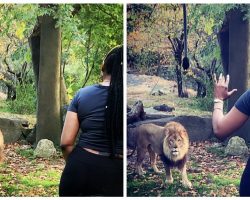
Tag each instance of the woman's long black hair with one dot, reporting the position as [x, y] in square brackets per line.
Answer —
[113, 65]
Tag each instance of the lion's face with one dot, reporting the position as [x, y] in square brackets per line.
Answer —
[176, 143]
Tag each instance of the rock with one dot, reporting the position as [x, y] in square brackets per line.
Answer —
[13, 129]
[198, 128]
[23, 142]
[136, 113]
[152, 111]
[158, 92]
[236, 147]
[164, 108]
[3, 96]
[45, 149]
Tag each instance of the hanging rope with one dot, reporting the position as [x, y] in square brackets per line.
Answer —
[185, 61]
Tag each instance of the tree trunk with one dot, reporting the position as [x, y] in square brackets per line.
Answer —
[64, 96]
[201, 89]
[239, 57]
[223, 39]
[179, 81]
[34, 42]
[48, 113]
[177, 48]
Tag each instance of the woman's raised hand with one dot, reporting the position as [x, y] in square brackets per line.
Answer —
[221, 87]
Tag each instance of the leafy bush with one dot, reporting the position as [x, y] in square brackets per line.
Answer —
[145, 59]
[206, 103]
[25, 102]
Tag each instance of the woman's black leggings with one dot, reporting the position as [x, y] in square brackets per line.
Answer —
[87, 174]
[245, 181]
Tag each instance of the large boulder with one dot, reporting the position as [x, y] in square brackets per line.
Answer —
[45, 149]
[14, 129]
[236, 147]
[198, 128]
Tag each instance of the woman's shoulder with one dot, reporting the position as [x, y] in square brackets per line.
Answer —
[91, 88]
[246, 95]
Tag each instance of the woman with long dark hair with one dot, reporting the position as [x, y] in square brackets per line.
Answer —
[94, 167]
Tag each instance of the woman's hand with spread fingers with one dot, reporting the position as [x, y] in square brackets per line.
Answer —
[221, 88]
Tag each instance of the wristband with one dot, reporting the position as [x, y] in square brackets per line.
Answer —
[218, 109]
[218, 101]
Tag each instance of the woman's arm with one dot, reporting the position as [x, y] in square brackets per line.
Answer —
[223, 125]
[69, 133]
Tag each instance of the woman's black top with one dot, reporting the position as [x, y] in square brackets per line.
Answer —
[243, 103]
[90, 103]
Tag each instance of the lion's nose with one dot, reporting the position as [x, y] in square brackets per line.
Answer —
[175, 148]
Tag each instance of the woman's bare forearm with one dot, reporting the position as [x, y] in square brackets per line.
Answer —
[217, 120]
[66, 150]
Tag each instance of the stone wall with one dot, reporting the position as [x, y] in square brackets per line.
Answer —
[198, 128]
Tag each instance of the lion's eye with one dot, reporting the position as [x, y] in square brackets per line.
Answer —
[179, 140]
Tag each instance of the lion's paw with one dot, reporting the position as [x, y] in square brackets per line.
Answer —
[187, 184]
[141, 173]
[159, 172]
[156, 170]
[169, 180]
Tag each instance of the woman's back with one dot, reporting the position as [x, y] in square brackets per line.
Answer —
[90, 103]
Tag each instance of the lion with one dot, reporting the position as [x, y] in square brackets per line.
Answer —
[170, 142]
[1, 146]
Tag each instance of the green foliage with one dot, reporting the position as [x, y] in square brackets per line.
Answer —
[25, 102]
[220, 152]
[87, 37]
[207, 103]
[27, 153]
[44, 181]
[144, 60]
[89, 31]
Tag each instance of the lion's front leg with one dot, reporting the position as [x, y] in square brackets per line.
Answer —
[153, 157]
[169, 178]
[140, 157]
[185, 180]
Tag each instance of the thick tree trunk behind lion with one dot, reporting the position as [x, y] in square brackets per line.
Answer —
[48, 112]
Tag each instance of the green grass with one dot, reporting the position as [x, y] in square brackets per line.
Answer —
[225, 181]
[25, 175]
[27, 153]
[218, 151]
[203, 185]
[4, 107]
[37, 178]
[39, 183]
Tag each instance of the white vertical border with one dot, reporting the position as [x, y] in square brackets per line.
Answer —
[124, 99]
